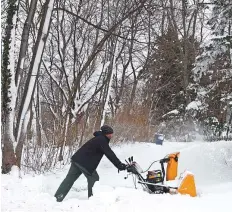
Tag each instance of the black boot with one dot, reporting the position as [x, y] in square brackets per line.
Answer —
[59, 198]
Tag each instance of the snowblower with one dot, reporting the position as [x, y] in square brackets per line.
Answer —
[154, 181]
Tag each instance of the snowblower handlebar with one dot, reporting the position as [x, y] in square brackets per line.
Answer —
[131, 169]
[131, 165]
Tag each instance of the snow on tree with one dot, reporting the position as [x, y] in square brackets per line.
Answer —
[213, 69]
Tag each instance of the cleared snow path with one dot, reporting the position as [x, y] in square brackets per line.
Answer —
[211, 164]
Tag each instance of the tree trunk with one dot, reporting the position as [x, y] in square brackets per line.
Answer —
[110, 71]
[22, 138]
[8, 156]
[35, 65]
[32, 75]
[8, 86]
[65, 132]
[185, 53]
[24, 41]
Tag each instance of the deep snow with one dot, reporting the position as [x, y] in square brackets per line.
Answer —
[211, 163]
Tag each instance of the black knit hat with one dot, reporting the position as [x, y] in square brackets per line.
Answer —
[106, 130]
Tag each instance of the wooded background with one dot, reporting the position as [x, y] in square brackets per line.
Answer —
[141, 66]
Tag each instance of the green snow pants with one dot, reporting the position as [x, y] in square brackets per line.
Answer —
[74, 172]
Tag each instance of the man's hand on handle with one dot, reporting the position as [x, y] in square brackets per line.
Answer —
[122, 167]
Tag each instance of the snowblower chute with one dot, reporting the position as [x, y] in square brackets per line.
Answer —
[154, 183]
[172, 166]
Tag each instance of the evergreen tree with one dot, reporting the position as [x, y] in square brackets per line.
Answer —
[213, 69]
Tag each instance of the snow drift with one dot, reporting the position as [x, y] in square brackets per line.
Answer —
[211, 163]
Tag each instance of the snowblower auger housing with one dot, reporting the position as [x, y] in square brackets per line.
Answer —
[154, 181]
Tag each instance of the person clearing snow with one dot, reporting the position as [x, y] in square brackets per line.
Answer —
[87, 159]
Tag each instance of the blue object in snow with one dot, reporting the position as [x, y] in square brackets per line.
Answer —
[159, 138]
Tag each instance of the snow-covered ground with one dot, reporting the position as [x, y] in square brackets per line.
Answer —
[211, 164]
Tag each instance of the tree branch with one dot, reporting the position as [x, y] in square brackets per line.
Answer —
[94, 25]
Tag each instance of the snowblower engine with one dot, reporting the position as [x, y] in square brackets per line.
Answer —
[154, 176]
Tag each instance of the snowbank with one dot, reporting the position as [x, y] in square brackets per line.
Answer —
[211, 163]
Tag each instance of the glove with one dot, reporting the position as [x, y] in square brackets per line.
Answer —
[129, 168]
[122, 167]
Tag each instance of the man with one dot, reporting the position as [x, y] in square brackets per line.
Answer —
[86, 160]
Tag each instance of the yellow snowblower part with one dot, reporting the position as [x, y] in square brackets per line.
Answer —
[172, 166]
[187, 185]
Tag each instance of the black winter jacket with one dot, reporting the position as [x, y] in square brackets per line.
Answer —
[91, 153]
